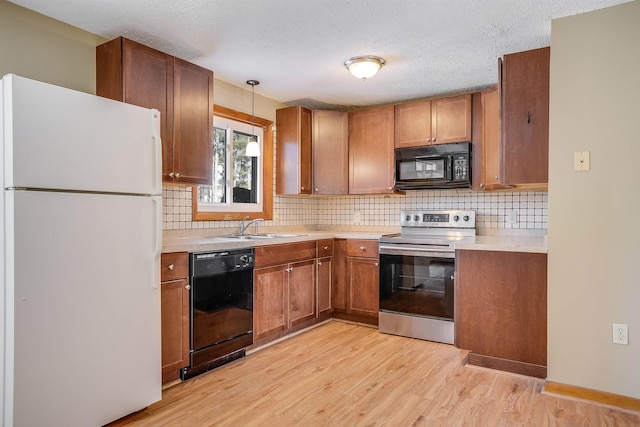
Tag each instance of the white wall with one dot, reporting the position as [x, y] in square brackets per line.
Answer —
[594, 232]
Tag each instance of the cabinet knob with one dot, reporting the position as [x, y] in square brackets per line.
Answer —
[325, 248]
[170, 174]
[428, 139]
[497, 177]
[302, 188]
[170, 266]
[481, 185]
[362, 248]
[319, 263]
[433, 139]
[178, 175]
[317, 190]
[376, 264]
[187, 287]
[390, 188]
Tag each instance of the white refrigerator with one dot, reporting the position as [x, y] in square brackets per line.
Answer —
[81, 240]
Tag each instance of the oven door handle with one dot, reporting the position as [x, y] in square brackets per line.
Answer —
[414, 250]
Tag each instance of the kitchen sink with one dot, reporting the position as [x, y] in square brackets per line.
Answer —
[262, 236]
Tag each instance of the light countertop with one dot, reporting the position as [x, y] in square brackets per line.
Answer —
[175, 242]
[207, 240]
[533, 244]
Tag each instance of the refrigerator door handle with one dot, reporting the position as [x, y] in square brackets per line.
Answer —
[157, 243]
[157, 151]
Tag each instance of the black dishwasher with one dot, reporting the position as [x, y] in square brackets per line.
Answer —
[221, 308]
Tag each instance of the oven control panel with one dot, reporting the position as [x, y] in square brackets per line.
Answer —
[449, 219]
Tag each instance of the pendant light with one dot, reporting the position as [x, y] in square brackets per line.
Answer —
[253, 149]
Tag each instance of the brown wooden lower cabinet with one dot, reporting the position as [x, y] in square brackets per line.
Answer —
[501, 309]
[284, 295]
[174, 295]
[356, 283]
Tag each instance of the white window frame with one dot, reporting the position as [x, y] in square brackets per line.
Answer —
[233, 125]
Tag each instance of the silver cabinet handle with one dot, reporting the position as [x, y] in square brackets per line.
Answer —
[428, 139]
[178, 175]
[302, 188]
[319, 263]
[433, 139]
[171, 174]
[376, 264]
[497, 177]
[326, 248]
[317, 190]
[187, 287]
[362, 248]
[170, 266]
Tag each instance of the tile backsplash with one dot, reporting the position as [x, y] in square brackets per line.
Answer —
[492, 209]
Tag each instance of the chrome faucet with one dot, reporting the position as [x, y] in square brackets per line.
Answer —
[244, 224]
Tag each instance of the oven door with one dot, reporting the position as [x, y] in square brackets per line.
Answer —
[417, 283]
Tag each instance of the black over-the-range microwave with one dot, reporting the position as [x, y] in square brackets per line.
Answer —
[433, 166]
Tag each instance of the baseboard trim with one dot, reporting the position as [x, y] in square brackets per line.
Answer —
[602, 397]
[513, 366]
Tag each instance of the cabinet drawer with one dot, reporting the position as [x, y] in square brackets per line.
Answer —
[324, 248]
[174, 266]
[282, 254]
[362, 248]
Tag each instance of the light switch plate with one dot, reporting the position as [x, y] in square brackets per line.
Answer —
[581, 161]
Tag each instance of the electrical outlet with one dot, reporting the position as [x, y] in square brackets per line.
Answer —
[512, 217]
[620, 334]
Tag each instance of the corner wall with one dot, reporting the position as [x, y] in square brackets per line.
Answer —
[42, 48]
[594, 232]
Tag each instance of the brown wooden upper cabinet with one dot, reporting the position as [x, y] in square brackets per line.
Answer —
[433, 121]
[371, 151]
[293, 151]
[183, 93]
[515, 123]
[330, 152]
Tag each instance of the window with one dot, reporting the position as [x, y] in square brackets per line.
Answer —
[241, 185]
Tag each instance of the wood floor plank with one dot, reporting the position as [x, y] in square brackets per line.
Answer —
[342, 374]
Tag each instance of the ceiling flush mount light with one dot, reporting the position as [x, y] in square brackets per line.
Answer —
[253, 149]
[364, 67]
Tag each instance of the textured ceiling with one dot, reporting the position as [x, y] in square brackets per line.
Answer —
[296, 48]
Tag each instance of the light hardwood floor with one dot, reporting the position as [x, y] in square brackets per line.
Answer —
[342, 374]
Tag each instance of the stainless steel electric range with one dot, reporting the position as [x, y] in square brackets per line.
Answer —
[417, 274]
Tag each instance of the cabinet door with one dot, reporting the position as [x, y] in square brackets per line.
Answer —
[324, 280]
[175, 327]
[364, 286]
[269, 301]
[451, 119]
[371, 151]
[340, 282]
[193, 123]
[525, 116]
[503, 294]
[330, 152]
[412, 124]
[491, 149]
[293, 151]
[302, 292]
